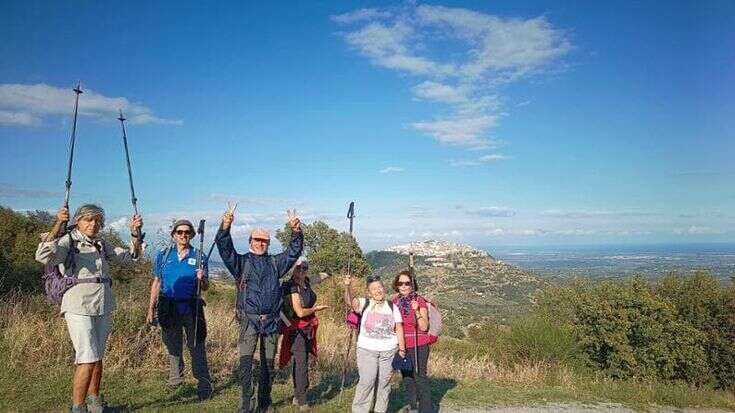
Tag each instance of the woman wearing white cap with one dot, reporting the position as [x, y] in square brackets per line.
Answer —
[299, 333]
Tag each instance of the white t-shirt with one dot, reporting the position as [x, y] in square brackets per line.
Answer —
[377, 326]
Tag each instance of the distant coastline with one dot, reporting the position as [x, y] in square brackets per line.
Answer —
[604, 261]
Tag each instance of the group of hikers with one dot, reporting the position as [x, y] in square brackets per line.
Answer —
[392, 329]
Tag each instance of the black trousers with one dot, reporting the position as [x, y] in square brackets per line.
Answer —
[417, 386]
[300, 351]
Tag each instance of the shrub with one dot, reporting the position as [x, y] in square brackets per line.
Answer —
[628, 330]
[538, 339]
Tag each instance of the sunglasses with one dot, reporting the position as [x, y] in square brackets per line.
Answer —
[403, 283]
[372, 278]
[182, 232]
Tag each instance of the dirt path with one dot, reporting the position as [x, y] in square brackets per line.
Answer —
[574, 408]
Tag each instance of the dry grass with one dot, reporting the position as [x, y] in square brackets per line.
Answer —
[33, 338]
[36, 335]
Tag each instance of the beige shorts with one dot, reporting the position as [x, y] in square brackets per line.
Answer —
[88, 335]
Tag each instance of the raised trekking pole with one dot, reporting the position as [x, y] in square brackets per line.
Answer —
[78, 91]
[351, 217]
[134, 200]
[412, 271]
[200, 261]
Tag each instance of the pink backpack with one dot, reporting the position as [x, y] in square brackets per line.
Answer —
[435, 322]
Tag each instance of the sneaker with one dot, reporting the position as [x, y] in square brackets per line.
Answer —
[79, 409]
[95, 404]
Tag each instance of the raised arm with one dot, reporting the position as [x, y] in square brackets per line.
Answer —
[227, 251]
[120, 254]
[352, 303]
[52, 249]
[53, 252]
[287, 258]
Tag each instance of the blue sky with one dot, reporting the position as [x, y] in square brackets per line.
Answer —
[490, 123]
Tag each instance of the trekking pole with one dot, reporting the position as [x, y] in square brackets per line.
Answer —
[78, 91]
[200, 255]
[134, 200]
[412, 271]
[350, 216]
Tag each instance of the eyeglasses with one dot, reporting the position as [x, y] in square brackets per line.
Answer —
[403, 283]
[182, 232]
[265, 240]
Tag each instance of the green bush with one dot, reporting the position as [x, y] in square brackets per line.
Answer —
[629, 330]
[538, 339]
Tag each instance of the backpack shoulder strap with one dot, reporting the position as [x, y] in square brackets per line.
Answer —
[244, 275]
[164, 257]
[70, 261]
[275, 267]
[364, 307]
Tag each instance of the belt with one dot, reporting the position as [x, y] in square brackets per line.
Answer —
[94, 280]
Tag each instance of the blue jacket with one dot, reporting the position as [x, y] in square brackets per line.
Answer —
[262, 295]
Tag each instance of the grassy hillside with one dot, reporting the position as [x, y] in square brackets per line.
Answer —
[468, 289]
[488, 368]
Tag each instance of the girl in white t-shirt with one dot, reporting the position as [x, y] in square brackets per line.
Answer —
[381, 333]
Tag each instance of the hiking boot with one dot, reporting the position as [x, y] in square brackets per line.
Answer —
[95, 404]
[79, 409]
[204, 395]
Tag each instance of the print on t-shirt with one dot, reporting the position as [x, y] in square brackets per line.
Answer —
[379, 325]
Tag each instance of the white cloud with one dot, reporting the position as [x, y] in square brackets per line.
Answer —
[119, 225]
[584, 214]
[485, 159]
[26, 105]
[492, 51]
[466, 131]
[387, 46]
[698, 230]
[391, 169]
[17, 118]
[515, 46]
[440, 92]
[493, 211]
[361, 15]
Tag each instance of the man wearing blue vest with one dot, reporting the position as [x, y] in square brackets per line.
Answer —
[259, 301]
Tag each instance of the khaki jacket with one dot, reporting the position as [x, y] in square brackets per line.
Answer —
[91, 260]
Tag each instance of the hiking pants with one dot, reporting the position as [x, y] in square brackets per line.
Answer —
[300, 352]
[418, 383]
[173, 339]
[372, 365]
[249, 338]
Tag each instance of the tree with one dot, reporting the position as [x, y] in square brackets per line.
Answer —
[329, 250]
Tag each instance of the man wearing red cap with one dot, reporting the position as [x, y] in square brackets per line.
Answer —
[259, 301]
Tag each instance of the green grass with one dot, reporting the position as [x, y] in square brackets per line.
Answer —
[48, 391]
